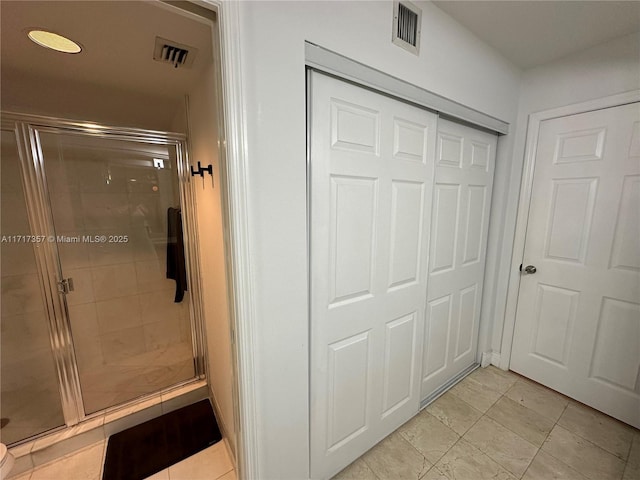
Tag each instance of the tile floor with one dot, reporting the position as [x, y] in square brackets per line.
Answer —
[498, 425]
[492, 425]
[210, 464]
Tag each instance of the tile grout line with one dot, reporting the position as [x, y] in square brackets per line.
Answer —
[443, 455]
[502, 395]
[573, 433]
[531, 462]
[588, 440]
[424, 459]
[504, 426]
[581, 437]
[104, 457]
[365, 462]
[65, 456]
[471, 406]
[485, 415]
[518, 380]
[460, 437]
[222, 475]
[544, 441]
[539, 448]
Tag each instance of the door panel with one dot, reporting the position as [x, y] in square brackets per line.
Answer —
[461, 201]
[371, 172]
[348, 362]
[30, 399]
[476, 213]
[578, 318]
[110, 205]
[399, 352]
[407, 200]
[626, 254]
[437, 333]
[445, 222]
[468, 312]
[353, 215]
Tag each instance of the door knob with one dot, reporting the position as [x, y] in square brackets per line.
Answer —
[530, 269]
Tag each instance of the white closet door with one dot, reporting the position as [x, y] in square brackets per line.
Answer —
[465, 160]
[578, 319]
[370, 178]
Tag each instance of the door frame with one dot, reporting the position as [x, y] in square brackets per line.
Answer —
[27, 128]
[327, 62]
[234, 175]
[524, 204]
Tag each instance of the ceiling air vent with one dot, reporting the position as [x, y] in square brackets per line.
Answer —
[406, 26]
[174, 53]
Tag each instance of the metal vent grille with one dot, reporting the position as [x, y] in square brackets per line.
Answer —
[406, 26]
[173, 53]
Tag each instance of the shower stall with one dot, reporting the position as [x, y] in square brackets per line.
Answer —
[100, 296]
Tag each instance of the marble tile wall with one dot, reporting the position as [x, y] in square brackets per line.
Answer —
[128, 332]
[30, 399]
[123, 305]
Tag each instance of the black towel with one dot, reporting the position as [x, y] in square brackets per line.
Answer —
[176, 268]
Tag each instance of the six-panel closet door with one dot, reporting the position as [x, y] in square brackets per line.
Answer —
[388, 239]
[464, 165]
[371, 174]
[577, 326]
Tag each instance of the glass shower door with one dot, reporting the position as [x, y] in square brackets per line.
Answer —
[112, 203]
[30, 401]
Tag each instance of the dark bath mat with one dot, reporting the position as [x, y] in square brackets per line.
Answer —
[150, 447]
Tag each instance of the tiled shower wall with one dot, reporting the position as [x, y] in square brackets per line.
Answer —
[130, 337]
[122, 309]
[30, 399]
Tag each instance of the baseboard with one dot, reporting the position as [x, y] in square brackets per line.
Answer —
[232, 456]
[491, 358]
[496, 359]
[486, 359]
[223, 427]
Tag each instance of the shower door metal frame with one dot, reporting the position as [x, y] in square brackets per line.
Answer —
[27, 129]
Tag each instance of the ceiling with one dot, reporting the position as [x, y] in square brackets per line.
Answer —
[532, 33]
[117, 37]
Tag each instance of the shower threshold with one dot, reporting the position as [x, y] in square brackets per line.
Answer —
[58, 443]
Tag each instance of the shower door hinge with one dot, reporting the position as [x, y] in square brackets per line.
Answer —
[65, 285]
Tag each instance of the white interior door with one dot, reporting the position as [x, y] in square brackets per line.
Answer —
[578, 318]
[465, 160]
[371, 173]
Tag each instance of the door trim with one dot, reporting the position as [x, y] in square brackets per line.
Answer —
[522, 219]
[337, 65]
[235, 180]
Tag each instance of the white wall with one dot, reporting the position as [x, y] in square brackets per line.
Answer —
[607, 69]
[452, 63]
[22, 92]
[203, 142]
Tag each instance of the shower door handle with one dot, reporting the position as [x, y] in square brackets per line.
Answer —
[65, 285]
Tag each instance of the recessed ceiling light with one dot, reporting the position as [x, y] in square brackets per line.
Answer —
[54, 41]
